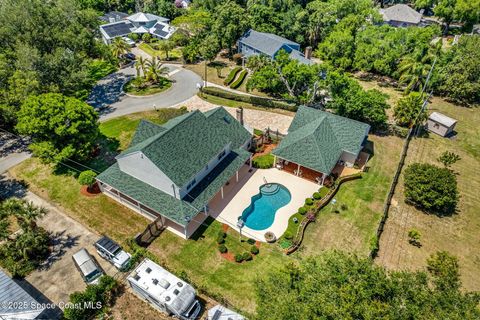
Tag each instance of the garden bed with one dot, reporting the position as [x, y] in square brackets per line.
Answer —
[140, 87]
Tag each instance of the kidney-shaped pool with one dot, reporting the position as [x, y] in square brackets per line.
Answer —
[260, 214]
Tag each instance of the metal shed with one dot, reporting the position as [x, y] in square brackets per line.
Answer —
[440, 124]
[16, 303]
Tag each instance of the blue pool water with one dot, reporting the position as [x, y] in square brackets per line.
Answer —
[260, 214]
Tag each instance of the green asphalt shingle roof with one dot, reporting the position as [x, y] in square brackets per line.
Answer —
[316, 139]
[189, 142]
[179, 211]
[175, 144]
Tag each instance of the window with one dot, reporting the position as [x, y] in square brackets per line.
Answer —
[221, 155]
[190, 185]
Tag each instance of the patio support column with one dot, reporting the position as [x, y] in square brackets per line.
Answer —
[274, 161]
[205, 210]
[221, 191]
[236, 173]
[323, 179]
[298, 170]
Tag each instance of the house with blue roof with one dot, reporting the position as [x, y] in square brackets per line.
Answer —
[171, 172]
[269, 44]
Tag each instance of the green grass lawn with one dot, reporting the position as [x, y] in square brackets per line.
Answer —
[199, 257]
[174, 54]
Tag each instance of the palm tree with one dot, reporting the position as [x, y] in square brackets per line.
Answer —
[140, 65]
[119, 47]
[26, 212]
[167, 46]
[32, 244]
[155, 70]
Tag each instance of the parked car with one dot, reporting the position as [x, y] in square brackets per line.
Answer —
[112, 252]
[88, 267]
[129, 41]
[130, 56]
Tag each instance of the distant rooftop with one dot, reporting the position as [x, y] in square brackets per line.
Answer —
[402, 13]
[145, 17]
[113, 16]
[267, 43]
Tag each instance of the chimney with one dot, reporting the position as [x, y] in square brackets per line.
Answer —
[308, 52]
[240, 115]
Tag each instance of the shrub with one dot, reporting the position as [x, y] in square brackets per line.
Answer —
[237, 83]
[431, 188]
[344, 207]
[221, 234]
[259, 101]
[263, 162]
[239, 257]
[317, 196]
[133, 36]
[147, 37]
[302, 210]
[270, 237]
[222, 248]
[87, 178]
[247, 256]
[288, 235]
[220, 239]
[251, 241]
[254, 250]
[231, 76]
[308, 201]
[414, 237]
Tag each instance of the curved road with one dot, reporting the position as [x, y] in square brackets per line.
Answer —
[109, 99]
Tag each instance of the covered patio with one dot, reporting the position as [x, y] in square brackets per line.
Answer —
[300, 171]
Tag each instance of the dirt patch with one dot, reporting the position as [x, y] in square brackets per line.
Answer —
[228, 256]
[267, 149]
[225, 227]
[95, 190]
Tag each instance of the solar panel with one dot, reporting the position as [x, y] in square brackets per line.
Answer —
[117, 29]
[160, 33]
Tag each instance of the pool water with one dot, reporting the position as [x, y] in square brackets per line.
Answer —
[260, 214]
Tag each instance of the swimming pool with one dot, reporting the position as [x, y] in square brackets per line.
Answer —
[260, 214]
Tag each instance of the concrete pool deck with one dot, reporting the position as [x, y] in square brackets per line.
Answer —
[239, 196]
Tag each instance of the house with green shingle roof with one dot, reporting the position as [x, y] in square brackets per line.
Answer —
[171, 172]
[319, 140]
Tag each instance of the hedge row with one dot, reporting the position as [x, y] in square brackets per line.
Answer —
[231, 75]
[237, 83]
[258, 101]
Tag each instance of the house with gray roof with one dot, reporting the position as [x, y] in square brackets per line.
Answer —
[121, 25]
[269, 44]
[401, 15]
[15, 302]
[171, 172]
[319, 140]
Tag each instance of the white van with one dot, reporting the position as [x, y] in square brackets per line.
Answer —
[89, 269]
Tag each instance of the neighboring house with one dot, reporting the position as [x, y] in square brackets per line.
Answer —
[164, 291]
[139, 23]
[401, 15]
[182, 3]
[319, 140]
[15, 302]
[440, 124]
[255, 43]
[219, 312]
[171, 172]
[113, 16]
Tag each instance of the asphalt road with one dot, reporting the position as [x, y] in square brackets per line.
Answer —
[12, 151]
[109, 99]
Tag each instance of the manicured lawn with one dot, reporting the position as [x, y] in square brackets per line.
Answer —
[174, 54]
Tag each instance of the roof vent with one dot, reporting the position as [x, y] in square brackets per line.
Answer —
[180, 284]
[164, 283]
[148, 270]
[176, 292]
[167, 298]
[227, 119]
[136, 277]
[155, 281]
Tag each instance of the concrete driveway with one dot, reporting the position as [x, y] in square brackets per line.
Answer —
[13, 150]
[59, 277]
[110, 100]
